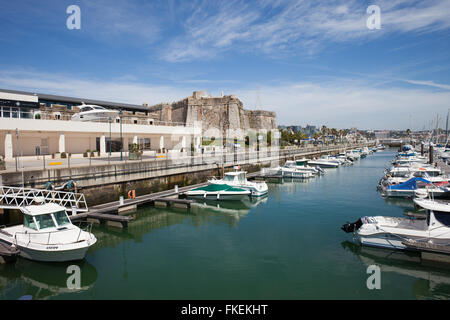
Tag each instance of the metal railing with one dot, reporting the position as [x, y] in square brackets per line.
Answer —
[17, 197]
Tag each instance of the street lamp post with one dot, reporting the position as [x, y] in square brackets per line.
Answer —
[110, 120]
[121, 142]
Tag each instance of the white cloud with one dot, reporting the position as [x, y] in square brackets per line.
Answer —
[116, 91]
[338, 103]
[345, 104]
[285, 26]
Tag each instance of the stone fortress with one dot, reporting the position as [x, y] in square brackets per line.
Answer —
[214, 113]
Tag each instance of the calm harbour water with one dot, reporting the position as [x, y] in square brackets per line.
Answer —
[286, 246]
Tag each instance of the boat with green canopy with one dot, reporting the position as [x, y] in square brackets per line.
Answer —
[218, 192]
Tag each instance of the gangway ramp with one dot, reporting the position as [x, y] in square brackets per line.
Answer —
[17, 197]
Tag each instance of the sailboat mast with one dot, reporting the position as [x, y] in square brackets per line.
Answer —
[446, 129]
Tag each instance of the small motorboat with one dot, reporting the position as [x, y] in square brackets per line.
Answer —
[405, 189]
[324, 163]
[436, 191]
[287, 172]
[239, 179]
[91, 112]
[393, 232]
[219, 192]
[47, 234]
[302, 165]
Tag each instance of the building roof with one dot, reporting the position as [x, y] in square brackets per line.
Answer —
[73, 100]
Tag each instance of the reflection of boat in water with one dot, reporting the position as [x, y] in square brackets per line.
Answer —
[432, 278]
[400, 202]
[236, 209]
[43, 280]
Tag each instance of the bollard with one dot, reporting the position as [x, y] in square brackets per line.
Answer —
[121, 200]
[431, 155]
[176, 188]
[74, 210]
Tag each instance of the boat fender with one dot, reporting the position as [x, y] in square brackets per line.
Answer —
[132, 194]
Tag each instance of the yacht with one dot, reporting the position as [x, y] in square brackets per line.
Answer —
[239, 179]
[91, 112]
[393, 232]
[47, 234]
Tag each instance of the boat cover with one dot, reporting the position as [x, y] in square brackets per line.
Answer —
[411, 184]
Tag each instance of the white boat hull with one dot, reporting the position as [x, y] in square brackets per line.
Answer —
[383, 240]
[53, 256]
[323, 164]
[217, 196]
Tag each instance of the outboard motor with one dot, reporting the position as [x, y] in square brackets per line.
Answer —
[351, 227]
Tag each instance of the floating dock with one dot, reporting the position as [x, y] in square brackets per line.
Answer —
[7, 252]
[430, 251]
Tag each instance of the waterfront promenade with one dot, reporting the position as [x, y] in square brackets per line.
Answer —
[89, 172]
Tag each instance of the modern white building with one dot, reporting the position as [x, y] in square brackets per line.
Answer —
[34, 124]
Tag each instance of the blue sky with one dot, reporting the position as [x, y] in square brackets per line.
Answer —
[313, 62]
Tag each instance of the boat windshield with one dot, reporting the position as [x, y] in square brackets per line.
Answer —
[61, 218]
[85, 109]
[228, 178]
[44, 221]
[29, 222]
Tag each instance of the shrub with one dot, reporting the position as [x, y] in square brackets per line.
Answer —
[63, 155]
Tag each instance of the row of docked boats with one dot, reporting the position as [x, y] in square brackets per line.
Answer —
[309, 168]
[235, 185]
[411, 176]
[428, 187]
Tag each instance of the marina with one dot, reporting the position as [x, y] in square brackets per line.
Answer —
[225, 155]
[194, 236]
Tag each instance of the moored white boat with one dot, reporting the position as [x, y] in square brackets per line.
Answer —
[239, 179]
[219, 192]
[392, 232]
[47, 234]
